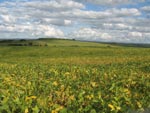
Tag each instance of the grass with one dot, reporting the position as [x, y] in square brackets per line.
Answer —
[74, 77]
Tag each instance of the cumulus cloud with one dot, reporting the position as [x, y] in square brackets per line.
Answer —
[135, 34]
[146, 8]
[8, 18]
[105, 14]
[75, 19]
[58, 5]
[34, 30]
[91, 34]
[111, 2]
[118, 26]
[50, 31]
[125, 12]
[63, 22]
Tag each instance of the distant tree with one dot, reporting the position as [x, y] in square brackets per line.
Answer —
[30, 43]
[22, 40]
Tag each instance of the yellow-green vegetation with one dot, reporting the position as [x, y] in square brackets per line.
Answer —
[74, 77]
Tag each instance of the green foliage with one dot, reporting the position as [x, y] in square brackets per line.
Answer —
[86, 78]
[22, 42]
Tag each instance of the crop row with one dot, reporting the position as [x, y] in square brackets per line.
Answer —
[43, 88]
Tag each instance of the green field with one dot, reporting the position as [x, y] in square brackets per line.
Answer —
[68, 76]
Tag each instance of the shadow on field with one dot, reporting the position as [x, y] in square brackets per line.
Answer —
[131, 45]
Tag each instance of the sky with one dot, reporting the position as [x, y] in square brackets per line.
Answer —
[126, 21]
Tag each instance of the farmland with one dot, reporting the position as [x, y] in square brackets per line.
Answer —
[68, 76]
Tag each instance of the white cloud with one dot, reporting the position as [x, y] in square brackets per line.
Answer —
[146, 8]
[58, 22]
[36, 30]
[8, 18]
[111, 2]
[49, 31]
[135, 34]
[91, 34]
[58, 5]
[58, 18]
[125, 12]
[117, 26]
[67, 22]
[105, 14]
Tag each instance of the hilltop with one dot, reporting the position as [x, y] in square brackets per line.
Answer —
[65, 42]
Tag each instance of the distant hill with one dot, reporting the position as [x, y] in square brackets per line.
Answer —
[129, 44]
[65, 42]
[22, 42]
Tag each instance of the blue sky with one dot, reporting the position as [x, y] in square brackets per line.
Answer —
[92, 20]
